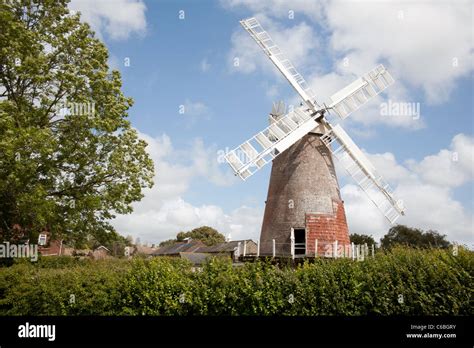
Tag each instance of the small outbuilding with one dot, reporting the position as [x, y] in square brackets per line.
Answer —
[174, 250]
[234, 249]
[100, 253]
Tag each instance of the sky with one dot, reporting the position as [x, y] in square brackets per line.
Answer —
[201, 87]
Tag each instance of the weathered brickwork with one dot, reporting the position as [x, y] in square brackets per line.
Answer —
[303, 193]
[326, 228]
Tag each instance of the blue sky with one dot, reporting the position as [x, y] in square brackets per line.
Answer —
[188, 62]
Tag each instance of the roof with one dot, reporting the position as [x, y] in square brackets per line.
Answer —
[101, 247]
[177, 248]
[141, 249]
[195, 258]
[224, 247]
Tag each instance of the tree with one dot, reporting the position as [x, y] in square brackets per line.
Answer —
[205, 234]
[414, 237]
[69, 158]
[167, 242]
[435, 239]
[129, 239]
[362, 239]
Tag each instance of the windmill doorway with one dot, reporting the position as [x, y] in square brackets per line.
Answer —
[300, 241]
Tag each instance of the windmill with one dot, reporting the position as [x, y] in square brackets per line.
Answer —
[303, 202]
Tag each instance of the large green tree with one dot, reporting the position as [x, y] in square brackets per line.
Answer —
[69, 158]
[414, 237]
[205, 234]
[361, 239]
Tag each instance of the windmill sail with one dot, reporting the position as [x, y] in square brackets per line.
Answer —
[363, 172]
[262, 148]
[263, 39]
[359, 92]
[284, 131]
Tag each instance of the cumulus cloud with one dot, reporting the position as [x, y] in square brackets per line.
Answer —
[163, 211]
[427, 194]
[117, 18]
[429, 45]
[299, 43]
[426, 188]
[426, 45]
[450, 167]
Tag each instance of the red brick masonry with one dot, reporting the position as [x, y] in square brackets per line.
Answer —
[326, 228]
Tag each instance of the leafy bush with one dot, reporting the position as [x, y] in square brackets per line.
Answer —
[157, 287]
[397, 282]
[86, 288]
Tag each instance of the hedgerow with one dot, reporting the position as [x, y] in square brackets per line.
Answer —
[400, 282]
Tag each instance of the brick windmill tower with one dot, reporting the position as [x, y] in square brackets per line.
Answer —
[304, 203]
[303, 198]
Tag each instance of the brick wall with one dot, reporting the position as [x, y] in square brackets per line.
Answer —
[54, 248]
[327, 228]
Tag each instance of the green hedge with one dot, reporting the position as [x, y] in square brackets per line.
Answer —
[403, 282]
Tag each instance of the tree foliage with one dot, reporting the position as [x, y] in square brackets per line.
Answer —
[361, 239]
[69, 158]
[414, 237]
[205, 234]
[168, 242]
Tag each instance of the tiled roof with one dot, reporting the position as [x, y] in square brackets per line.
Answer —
[224, 247]
[141, 249]
[177, 248]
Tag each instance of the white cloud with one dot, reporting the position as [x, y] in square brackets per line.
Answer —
[429, 201]
[205, 164]
[453, 167]
[163, 212]
[418, 39]
[425, 45]
[299, 43]
[426, 188]
[118, 18]
[325, 85]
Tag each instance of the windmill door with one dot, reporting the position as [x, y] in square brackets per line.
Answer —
[300, 241]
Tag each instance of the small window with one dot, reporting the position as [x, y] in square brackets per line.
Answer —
[42, 239]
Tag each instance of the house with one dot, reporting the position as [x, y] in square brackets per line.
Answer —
[197, 252]
[48, 246]
[174, 250]
[142, 250]
[234, 249]
[100, 253]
